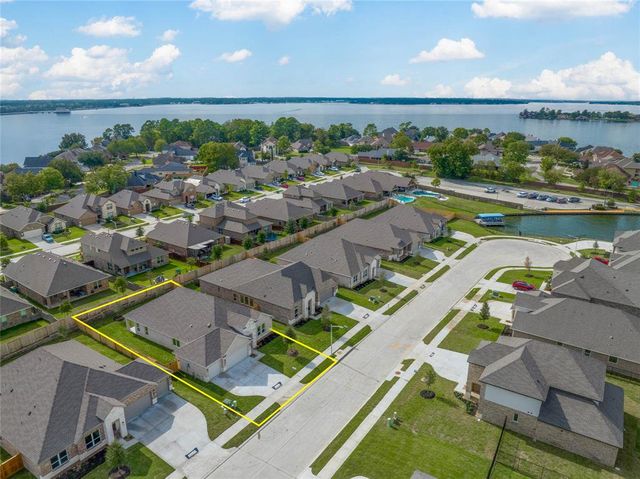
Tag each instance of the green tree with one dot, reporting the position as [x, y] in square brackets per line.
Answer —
[558, 153]
[283, 144]
[69, 169]
[159, 144]
[50, 179]
[8, 167]
[258, 133]
[303, 223]
[632, 196]
[547, 163]
[191, 262]
[4, 243]
[435, 182]
[370, 130]
[4, 261]
[512, 136]
[92, 159]
[461, 133]
[291, 333]
[120, 284]
[636, 157]
[333, 211]
[19, 186]
[261, 237]
[122, 131]
[247, 243]
[218, 156]
[611, 180]
[216, 252]
[402, 141]
[116, 457]
[485, 312]
[72, 140]
[452, 158]
[516, 151]
[65, 307]
[112, 178]
[290, 227]
[139, 231]
[552, 176]
[325, 318]
[567, 142]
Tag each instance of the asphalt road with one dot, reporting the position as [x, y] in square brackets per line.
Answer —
[293, 439]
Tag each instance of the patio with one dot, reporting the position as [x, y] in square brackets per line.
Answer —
[250, 378]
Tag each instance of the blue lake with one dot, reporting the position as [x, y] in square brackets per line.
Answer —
[597, 227]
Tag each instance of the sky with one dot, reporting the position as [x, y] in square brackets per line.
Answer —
[548, 49]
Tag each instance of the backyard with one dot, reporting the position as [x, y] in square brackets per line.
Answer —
[20, 329]
[446, 245]
[71, 233]
[535, 277]
[463, 208]
[413, 266]
[372, 295]
[16, 245]
[143, 464]
[310, 333]
[168, 271]
[466, 336]
[470, 227]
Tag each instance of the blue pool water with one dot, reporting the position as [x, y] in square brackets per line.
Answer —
[404, 199]
[430, 194]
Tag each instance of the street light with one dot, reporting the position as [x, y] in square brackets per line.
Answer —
[331, 326]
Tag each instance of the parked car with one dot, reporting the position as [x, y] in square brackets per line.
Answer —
[300, 178]
[190, 206]
[533, 195]
[574, 199]
[244, 199]
[284, 185]
[543, 197]
[358, 169]
[551, 199]
[47, 237]
[490, 189]
[216, 198]
[562, 200]
[334, 168]
[523, 194]
[522, 286]
[601, 259]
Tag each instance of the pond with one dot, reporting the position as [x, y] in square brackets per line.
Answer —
[584, 226]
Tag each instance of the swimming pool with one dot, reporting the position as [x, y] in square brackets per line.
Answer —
[404, 199]
[430, 194]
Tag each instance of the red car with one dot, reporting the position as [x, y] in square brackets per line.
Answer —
[601, 259]
[285, 185]
[522, 286]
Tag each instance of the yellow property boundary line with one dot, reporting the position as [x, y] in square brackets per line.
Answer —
[154, 364]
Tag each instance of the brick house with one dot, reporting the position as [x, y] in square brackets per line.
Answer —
[15, 310]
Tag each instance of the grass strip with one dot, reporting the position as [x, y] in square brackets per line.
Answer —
[326, 455]
[442, 271]
[467, 251]
[249, 429]
[472, 293]
[356, 338]
[401, 303]
[443, 322]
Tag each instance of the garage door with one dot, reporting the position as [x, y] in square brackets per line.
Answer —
[163, 387]
[238, 355]
[135, 409]
[32, 234]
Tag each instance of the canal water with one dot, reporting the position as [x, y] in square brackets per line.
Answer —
[597, 227]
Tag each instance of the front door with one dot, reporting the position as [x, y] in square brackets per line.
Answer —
[115, 427]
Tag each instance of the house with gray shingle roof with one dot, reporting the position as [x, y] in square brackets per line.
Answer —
[172, 192]
[185, 239]
[429, 226]
[208, 335]
[290, 293]
[626, 251]
[308, 198]
[549, 393]
[376, 184]
[279, 211]
[50, 279]
[338, 193]
[229, 180]
[23, 222]
[62, 404]
[86, 209]
[117, 254]
[233, 220]
[129, 203]
[15, 310]
[258, 174]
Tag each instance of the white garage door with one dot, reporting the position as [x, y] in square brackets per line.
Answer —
[35, 234]
[238, 355]
[135, 409]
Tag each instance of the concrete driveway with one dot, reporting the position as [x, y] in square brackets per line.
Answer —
[348, 309]
[398, 278]
[250, 378]
[432, 254]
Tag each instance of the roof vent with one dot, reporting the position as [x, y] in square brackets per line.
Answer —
[208, 325]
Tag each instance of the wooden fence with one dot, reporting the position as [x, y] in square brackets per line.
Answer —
[11, 466]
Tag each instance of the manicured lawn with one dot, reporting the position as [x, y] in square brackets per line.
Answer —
[333, 447]
[470, 227]
[272, 255]
[217, 420]
[143, 464]
[71, 233]
[236, 195]
[472, 293]
[16, 245]
[467, 251]
[463, 208]
[245, 433]
[413, 266]
[591, 252]
[466, 336]
[311, 334]
[88, 302]
[169, 270]
[20, 329]
[435, 436]
[439, 273]
[316, 371]
[268, 188]
[445, 244]
[123, 221]
[535, 278]
[356, 338]
[440, 326]
[231, 249]
[166, 211]
[89, 342]
[499, 296]
[381, 291]
[203, 203]
[401, 303]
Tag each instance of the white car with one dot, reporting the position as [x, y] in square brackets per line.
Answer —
[523, 194]
[244, 199]
[490, 189]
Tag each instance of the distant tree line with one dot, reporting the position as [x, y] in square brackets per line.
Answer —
[584, 115]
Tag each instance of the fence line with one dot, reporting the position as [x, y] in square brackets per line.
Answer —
[11, 466]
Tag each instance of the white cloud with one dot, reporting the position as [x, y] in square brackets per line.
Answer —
[554, 9]
[16, 64]
[284, 60]
[104, 72]
[112, 27]
[6, 26]
[484, 87]
[237, 56]
[169, 35]
[440, 91]
[447, 49]
[271, 12]
[394, 80]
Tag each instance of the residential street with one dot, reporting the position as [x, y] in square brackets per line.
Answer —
[291, 441]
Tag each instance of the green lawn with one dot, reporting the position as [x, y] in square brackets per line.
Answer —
[413, 266]
[470, 227]
[382, 291]
[439, 273]
[356, 338]
[217, 420]
[169, 270]
[272, 255]
[472, 293]
[499, 296]
[311, 334]
[466, 336]
[236, 195]
[123, 221]
[20, 329]
[315, 372]
[89, 342]
[231, 249]
[445, 244]
[435, 436]
[440, 326]
[16, 245]
[87, 302]
[401, 303]
[249, 429]
[333, 447]
[202, 203]
[463, 208]
[71, 233]
[143, 464]
[591, 252]
[467, 251]
[166, 211]
[535, 278]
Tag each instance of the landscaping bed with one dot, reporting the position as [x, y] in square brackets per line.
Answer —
[466, 336]
[142, 462]
[383, 290]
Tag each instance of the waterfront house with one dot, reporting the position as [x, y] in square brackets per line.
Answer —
[429, 226]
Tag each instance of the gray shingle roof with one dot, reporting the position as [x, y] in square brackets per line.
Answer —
[80, 204]
[20, 216]
[11, 302]
[278, 209]
[227, 177]
[210, 347]
[48, 274]
[411, 219]
[119, 249]
[125, 199]
[183, 234]
[337, 189]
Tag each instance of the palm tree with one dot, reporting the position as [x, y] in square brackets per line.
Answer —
[117, 458]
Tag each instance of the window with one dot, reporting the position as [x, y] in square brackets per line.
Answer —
[587, 352]
[23, 313]
[59, 459]
[515, 417]
[175, 342]
[296, 312]
[146, 330]
[613, 359]
[92, 439]
[3, 319]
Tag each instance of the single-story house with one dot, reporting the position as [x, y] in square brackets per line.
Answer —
[185, 239]
[338, 193]
[64, 403]
[50, 279]
[626, 251]
[376, 184]
[337, 158]
[308, 198]
[130, 203]
[117, 254]
[232, 220]
[283, 169]
[208, 335]
[378, 155]
[86, 209]
[306, 164]
[142, 180]
[290, 293]
[279, 211]
[27, 223]
[258, 174]
[15, 310]
[550, 394]
[172, 169]
[429, 226]
[303, 145]
[229, 180]
[171, 192]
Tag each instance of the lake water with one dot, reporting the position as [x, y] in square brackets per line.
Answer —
[34, 134]
[597, 227]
